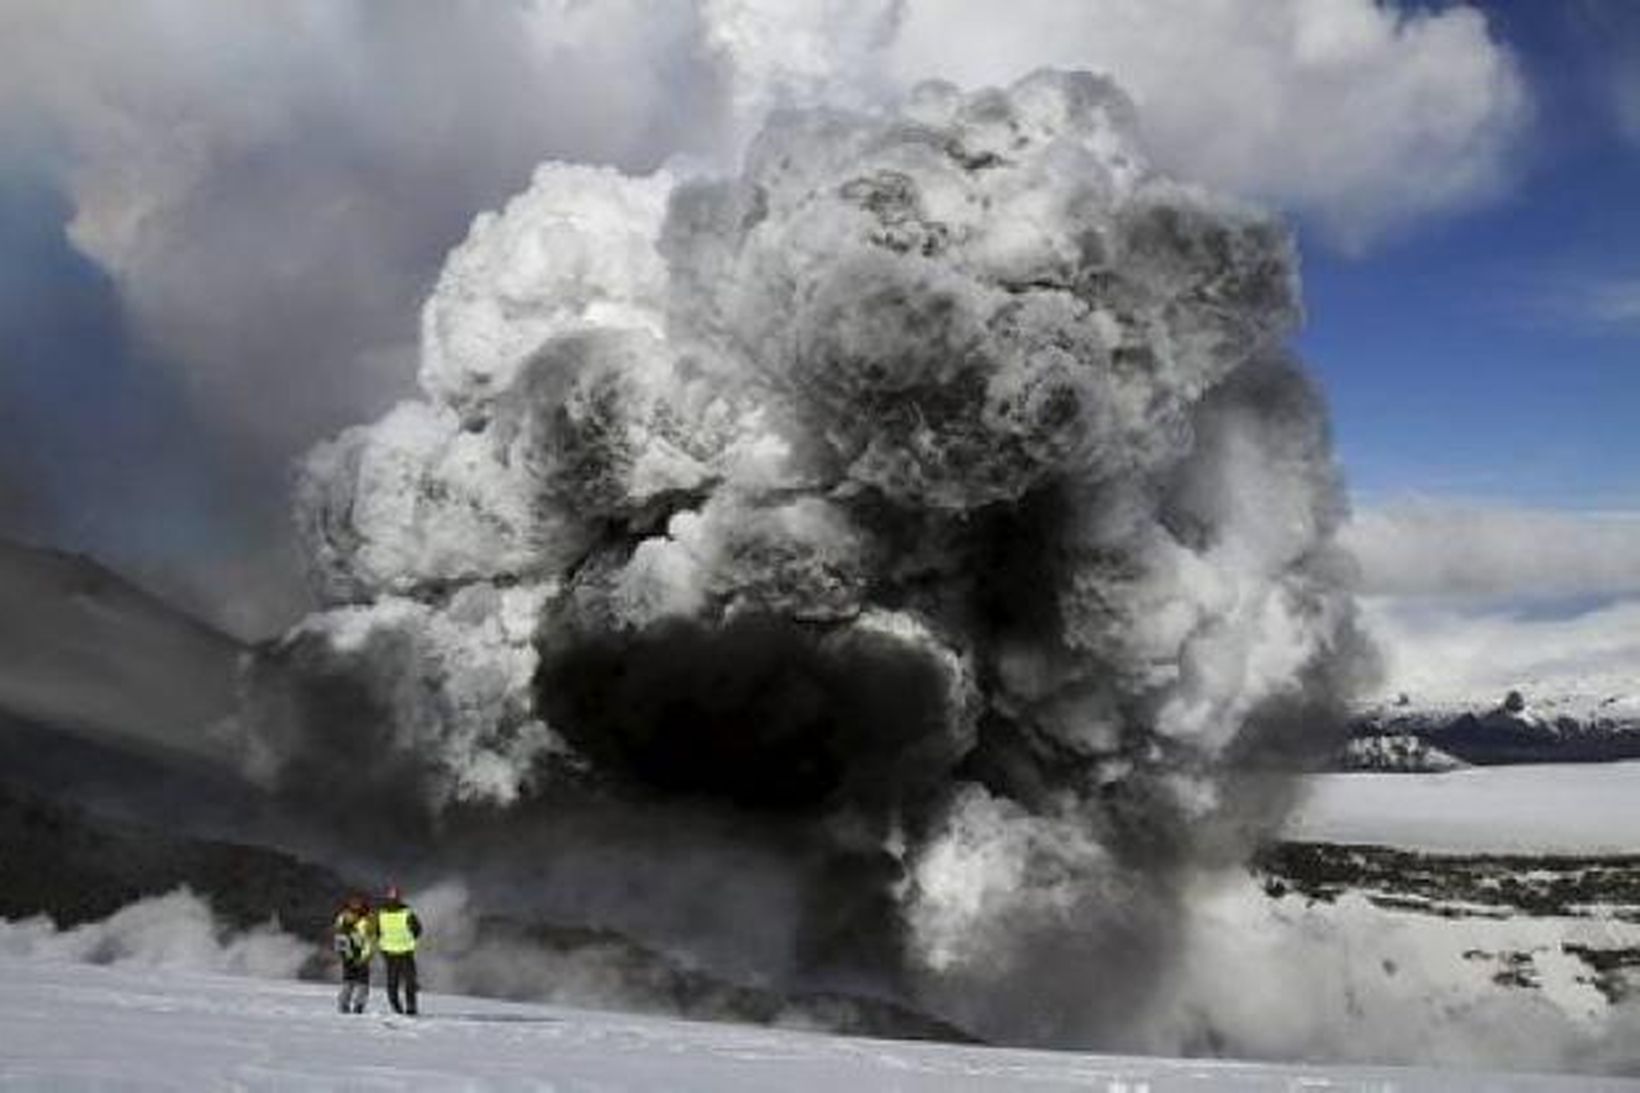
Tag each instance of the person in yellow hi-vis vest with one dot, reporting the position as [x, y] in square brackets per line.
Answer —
[397, 929]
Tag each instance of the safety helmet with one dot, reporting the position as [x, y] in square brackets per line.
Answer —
[393, 892]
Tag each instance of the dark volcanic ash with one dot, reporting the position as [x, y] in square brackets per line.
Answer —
[928, 523]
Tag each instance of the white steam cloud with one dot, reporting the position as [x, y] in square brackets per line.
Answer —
[1292, 978]
[1477, 552]
[463, 952]
[1286, 978]
[177, 931]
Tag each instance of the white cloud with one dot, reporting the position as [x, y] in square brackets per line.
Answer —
[273, 185]
[239, 163]
[1578, 302]
[1359, 113]
[1468, 601]
[1586, 664]
[1458, 550]
[1614, 303]
[1365, 115]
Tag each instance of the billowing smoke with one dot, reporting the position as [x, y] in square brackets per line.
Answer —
[900, 566]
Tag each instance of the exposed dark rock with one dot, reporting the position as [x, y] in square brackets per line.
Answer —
[1402, 753]
[1616, 972]
[62, 862]
[1437, 883]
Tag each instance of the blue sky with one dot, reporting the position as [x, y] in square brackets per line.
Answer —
[79, 420]
[1471, 356]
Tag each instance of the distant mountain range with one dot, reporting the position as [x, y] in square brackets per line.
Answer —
[1575, 724]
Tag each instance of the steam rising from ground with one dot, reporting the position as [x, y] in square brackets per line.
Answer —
[177, 930]
[931, 509]
[1348, 981]
[1282, 979]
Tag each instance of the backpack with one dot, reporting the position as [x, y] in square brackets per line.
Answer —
[346, 941]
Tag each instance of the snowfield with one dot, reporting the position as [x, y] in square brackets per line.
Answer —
[1568, 808]
[70, 1026]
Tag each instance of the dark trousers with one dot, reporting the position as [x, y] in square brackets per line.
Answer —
[401, 969]
[355, 987]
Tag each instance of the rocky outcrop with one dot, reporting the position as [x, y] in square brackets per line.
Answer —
[1398, 753]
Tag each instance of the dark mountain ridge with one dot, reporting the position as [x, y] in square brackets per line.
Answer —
[84, 650]
[1513, 730]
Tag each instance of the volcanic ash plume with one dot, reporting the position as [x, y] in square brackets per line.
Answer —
[938, 488]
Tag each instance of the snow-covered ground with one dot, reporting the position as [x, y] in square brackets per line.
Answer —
[1571, 808]
[71, 1026]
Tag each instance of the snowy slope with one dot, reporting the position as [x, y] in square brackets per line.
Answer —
[83, 649]
[80, 1027]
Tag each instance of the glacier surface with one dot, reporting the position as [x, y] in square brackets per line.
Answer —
[65, 1026]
